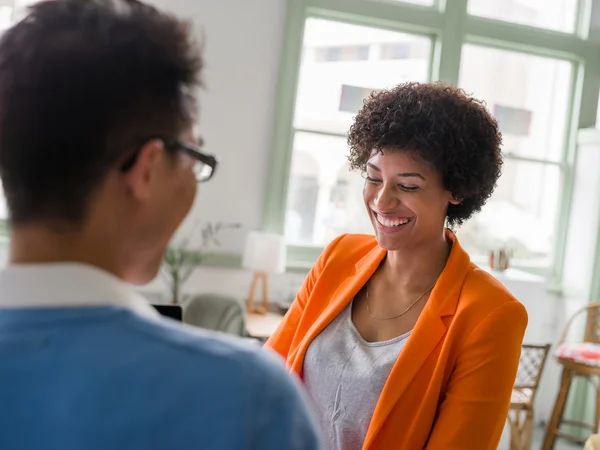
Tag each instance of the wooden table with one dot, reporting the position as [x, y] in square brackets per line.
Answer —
[262, 326]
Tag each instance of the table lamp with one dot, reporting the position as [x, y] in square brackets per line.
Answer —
[264, 253]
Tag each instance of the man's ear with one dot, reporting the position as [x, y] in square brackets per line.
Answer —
[140, 177]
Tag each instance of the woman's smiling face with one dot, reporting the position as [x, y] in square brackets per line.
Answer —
[405, 199]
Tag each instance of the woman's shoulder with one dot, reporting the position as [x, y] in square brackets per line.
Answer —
[481, 279]
[486, 311]
[485, 294]
[350, 247]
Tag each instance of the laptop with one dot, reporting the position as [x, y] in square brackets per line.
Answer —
[173, 311]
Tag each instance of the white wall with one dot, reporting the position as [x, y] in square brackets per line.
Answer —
[242, 48]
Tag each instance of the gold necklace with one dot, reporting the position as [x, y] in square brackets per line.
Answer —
[403, 312]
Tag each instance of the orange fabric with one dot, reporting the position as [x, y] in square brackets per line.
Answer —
[451, 386]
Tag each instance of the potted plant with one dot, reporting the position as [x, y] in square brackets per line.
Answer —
[180, 260]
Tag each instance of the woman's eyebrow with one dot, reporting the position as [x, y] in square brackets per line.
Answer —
[402, 174]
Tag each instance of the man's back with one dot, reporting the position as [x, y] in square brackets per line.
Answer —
[100, 162]
[106, 377]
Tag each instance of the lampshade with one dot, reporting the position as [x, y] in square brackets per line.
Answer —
[264, 252]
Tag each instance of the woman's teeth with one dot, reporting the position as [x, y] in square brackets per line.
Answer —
[389, 222]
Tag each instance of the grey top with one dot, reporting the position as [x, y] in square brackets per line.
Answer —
[344, 376]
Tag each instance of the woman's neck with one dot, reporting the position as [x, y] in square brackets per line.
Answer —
[415, 269]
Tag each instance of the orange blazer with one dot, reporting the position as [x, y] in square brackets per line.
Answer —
[451, 385]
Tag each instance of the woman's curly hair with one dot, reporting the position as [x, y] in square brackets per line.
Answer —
[441, 125]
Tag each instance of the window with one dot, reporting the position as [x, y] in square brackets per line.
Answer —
[13, 10]
[395, 51]
[520, 216]
[324, 198]
[342, 53]
[418, 2]
[9, 14]
[352, 97]
[3, 207]
[6, 13]
[20, 8]
[538, 76]
[559, 15]
[529, 95]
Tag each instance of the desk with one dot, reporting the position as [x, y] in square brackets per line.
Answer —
[262, 326]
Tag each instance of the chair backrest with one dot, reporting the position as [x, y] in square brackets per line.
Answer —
[218, 312]
[592, 324]
[531, 365]
[592, 328]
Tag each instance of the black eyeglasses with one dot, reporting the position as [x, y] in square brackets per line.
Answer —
[205, 164]
[204, 168]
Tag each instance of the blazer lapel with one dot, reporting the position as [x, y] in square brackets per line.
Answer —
[428, 332]
[347, 289]
[425, 338]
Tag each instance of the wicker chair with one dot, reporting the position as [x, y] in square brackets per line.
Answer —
[580, 359]
[520, 417]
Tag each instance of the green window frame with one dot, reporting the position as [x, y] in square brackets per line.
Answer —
[449, 26]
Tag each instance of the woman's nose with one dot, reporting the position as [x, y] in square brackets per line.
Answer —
[386, 198]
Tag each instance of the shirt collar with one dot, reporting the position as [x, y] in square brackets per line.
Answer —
[56, 285]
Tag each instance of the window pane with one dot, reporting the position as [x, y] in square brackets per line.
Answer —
[3, 207]
[559, 15]
[598, 115]
[417, 2]
[520, 216]
[529, 95]
[324, 197]
[342, 64]
[21, 8]
[6, 13]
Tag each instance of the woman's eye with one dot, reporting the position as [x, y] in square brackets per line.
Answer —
[372, 180]
[408, 188]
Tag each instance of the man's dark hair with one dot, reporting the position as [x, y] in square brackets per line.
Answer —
[83, 84]
[441, 125]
